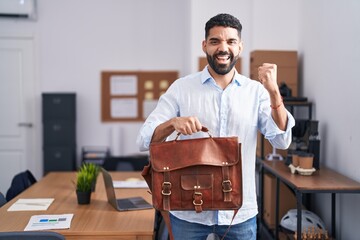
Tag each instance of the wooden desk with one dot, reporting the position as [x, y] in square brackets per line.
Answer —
[98, 220]
[322, 181]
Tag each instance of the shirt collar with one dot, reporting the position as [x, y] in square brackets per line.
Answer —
[205, 76]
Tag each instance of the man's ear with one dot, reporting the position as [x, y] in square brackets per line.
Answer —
[241, 46]
[204, 46]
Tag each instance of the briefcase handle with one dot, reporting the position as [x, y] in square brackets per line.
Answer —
[203, 129]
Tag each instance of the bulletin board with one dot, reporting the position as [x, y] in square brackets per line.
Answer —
[132, 95]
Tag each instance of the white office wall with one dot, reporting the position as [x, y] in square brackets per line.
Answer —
[329, 37]
[274, 25]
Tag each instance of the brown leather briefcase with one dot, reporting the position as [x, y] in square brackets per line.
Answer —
[195, 174]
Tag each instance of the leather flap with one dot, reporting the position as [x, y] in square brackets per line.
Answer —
[190, 182]
[178, 154]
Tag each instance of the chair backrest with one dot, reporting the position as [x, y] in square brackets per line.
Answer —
[19, 183]
[126, 163]
[2, 199]
[31, 235]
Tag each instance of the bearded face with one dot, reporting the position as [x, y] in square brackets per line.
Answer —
[222, 62]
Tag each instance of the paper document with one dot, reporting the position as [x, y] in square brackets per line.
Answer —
[31, 204]
[124, 107]
[46, 222]
[123, 85]
[130, 184]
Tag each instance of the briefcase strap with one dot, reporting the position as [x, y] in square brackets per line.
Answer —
[166, 190]
[226, 184]
[166, 217]
[203, 129]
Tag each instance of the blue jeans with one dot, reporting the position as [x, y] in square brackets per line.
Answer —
[193, 231]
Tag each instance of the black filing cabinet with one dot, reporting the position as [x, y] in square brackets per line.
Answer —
[59, 131]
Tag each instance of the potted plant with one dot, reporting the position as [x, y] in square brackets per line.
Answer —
[83, 186]
[94, 170]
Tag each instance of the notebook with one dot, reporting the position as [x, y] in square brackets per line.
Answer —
[122, 204]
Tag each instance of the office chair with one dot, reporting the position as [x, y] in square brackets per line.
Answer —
[2, 199]
[126, 163]
[19, 183]
[31, 235]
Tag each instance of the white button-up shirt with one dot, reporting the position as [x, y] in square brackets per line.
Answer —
[241, 109]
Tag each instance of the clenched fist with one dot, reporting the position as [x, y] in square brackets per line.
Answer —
[268, 76]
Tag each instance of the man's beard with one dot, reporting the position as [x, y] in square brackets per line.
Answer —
[221, 69]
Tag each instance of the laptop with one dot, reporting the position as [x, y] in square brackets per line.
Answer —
[123, 204]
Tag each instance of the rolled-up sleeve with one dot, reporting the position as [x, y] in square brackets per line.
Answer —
[278, 138]
[145, 134]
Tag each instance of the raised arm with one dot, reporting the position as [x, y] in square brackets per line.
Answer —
[268, 77]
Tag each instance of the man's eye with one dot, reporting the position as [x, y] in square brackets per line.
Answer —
[214, 42]
[232, 42]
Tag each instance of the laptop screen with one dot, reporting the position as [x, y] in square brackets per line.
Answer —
[110, 191]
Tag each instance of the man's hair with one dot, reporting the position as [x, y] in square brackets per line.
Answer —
[223, 20]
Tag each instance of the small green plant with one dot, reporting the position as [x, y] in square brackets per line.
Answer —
[86, 177]
[84, 181]
[91, 168]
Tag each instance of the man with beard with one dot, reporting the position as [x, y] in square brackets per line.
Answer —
[228, 104]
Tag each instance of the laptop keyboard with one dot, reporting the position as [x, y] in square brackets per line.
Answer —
[132, 203]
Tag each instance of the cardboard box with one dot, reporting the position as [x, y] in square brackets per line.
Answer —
[287, 200]
[280, 58]
[287, 75]
[284, 74]
[287, 66]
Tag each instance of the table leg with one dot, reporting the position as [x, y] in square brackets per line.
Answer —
[261, 200]
[277, 208]
[299, 212]
[333, 214]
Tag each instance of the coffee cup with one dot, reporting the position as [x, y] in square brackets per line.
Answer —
[306, 160]
[295, 159]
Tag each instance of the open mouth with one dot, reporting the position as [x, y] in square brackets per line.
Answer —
[222, 58]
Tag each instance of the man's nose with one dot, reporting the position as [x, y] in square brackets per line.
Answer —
[223, 46]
